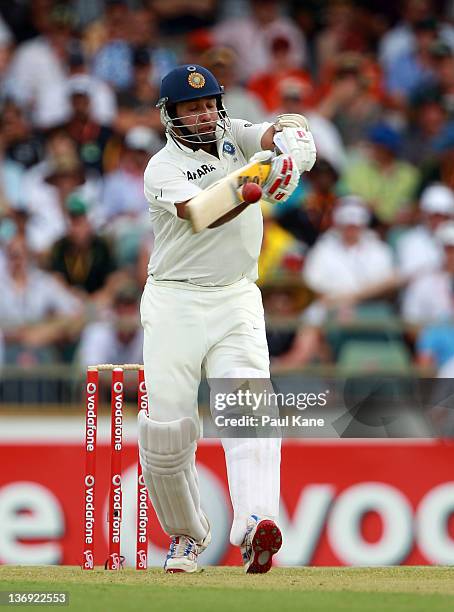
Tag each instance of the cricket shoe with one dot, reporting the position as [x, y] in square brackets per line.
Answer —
[183, 554]
[262, 540]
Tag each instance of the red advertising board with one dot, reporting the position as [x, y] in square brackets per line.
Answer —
[342, 503]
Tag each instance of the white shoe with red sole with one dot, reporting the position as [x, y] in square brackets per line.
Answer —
[263, 539]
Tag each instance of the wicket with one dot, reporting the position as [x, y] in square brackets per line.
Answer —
[114, 560]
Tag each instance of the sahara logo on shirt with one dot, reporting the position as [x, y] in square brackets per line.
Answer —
[204, 169]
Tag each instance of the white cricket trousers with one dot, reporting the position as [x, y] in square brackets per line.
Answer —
[221, 331]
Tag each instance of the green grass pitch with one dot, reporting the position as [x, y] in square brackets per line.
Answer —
[321, 589]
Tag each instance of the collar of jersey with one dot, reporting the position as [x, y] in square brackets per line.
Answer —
[182, 147]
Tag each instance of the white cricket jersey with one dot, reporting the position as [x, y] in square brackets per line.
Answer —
[213, 257]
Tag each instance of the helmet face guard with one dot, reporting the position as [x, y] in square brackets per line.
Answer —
[183, 84]
[188, 131]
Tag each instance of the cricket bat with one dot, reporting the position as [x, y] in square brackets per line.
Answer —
[224, 195]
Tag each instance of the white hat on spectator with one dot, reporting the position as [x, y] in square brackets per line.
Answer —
[445, 233]
[141, 138]
[437, 199]
[81, 84]
[351, 210]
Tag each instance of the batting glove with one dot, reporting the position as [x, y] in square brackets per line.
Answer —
[283, 177]
[294, 137]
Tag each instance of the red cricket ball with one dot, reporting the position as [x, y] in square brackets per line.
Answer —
[251, 192]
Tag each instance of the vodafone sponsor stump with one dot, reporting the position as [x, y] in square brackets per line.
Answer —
[115, 507]
[91, 425]
[142, 493]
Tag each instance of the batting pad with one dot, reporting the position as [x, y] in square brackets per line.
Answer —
[167, 457]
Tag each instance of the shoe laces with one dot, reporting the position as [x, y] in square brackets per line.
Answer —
[246, 546]
[182, 546]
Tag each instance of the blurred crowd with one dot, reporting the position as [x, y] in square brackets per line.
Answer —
[357, 267]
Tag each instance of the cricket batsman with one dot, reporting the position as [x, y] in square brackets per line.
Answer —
[202, 312]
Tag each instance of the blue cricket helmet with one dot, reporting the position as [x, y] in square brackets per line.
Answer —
[188, 82]
[185, 83]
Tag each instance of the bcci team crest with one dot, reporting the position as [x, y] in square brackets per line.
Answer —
[228, 147]
[196, 80]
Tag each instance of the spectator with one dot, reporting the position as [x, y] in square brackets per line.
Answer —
[326, 136]
[435, 347]
[119, 337]
[347, 265]
[267, 85]
[54, 107]
[125, 208]
[443, 65]
[82, 260]
[14, 224]
[440, 167]
[46, 195]
[137, 103]
[309, 211]
[281, 254]
[57, 144]
[386, 183]
[112, 16]
[413, 69]
[112, 60]
[427, 121]
[123, 188]
[144, 33]
[400, 39]
[116, 33]
[430, 298]
[239, 102]
[283, 300]
[36, 312]
[418, 250]
[40, 63]
[342, 32]
[197, 43]
[20, 143]
[351, 95]
[92, 139]
[252, 37]
[349, 257]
